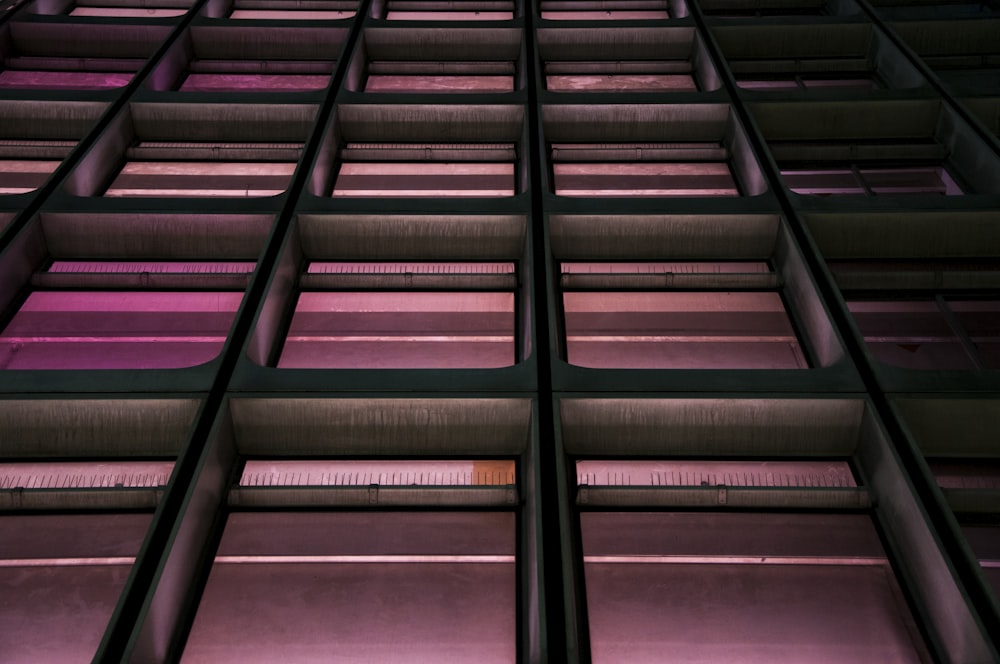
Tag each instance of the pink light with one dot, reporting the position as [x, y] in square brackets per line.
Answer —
[413, 330]
[163, 267]
[684, 267]
[60, 578]
[84, 474]
[117, 330]
[605, 15]
[401, 83]
[128, 12]
[394, 15]
[292, 14]
[680, 330]
[200, 179]
[254, 82]
[19, 176]
[391, 587]
[63, 80]
[620, 82]
[745, 588]
[424, 179]
[644, 179]
[332, 267]
[685, 473]
[383, 473]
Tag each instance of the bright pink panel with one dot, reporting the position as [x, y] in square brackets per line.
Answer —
[425, 179]
[128, 12]
[60, 578]
[63, 80]
[201, 179]
[621, 82]
[419, 83]
[606, 15]
[678, 330]
[685, 267]
[322, 472]
[644, 179]
[254, 82]
[19, 176]
[117, 330]
[292, 14]
[742, 588]
[388, 587]
[382, 267]
[381, 330]
[165, 267]
[394, 15]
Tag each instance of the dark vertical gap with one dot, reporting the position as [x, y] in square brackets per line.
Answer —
[114, 645]
[551, 568]
[938, 513]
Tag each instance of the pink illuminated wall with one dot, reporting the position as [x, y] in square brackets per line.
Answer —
[412, 330]
[291, 14]
[620, 82]
[60, 578]
[128, 12]
[19, 176]
[253, 82]
[384, 587]
[201, 179]
[425, 179]
[63, 80]
[680, 330]
[744, 589]
[415, 83]
[644, 179]
[117, 329]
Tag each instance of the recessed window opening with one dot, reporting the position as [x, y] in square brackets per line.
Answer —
[677, 316]
[82, 475]
[645, 170]
[126, 9]
[966, 474]
[833, 80]
[444, 583]
[51, 565]
[938, 333]
[26, 164]
[92, 315]
[600, 10]
[620, 76]
[60, 73]
[256, 76]
[711, 473]
[364, 473]
[448, 10]
[705, 585]
[176, 169]
[403, 315]
[440, 77]
[310, 10]
[865, 180]
[422, 170]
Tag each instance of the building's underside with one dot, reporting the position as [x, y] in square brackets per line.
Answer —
[615, 331]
